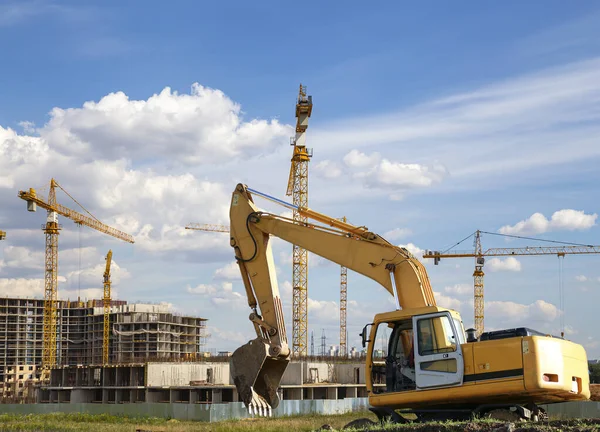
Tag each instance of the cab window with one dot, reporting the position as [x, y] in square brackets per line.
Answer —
[435, 335]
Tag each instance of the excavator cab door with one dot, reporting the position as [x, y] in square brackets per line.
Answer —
[437, 351]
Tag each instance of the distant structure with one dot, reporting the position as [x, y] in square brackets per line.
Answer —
[139, 332]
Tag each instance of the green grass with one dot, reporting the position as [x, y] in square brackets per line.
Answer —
[107, 423]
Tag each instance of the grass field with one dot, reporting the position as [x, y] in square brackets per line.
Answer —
[105, 423]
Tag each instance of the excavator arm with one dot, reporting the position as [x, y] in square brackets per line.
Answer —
[258, 366]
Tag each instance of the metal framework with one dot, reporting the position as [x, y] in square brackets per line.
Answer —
[479, 254]
[106, 304]
[343, 307]
[51, 229]
[207, 227]
[343, 301]
[298, 189]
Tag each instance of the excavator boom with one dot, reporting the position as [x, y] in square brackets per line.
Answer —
[258, 366]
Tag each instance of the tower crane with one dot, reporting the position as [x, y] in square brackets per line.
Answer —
[51, 229]
[479, 254]
[106, 305]
[298, 188]
[208, 227]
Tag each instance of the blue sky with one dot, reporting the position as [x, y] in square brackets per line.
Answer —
[430, 121]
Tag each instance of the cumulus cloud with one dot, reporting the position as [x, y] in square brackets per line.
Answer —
[220, 295]
[397, 233]
[22, 257]
[92, 277]
[537, 223]
[357, 159]
[328, 169]
[415, 250]
[376, 172]
[34, 288]
[507, 264]
[229, 272]
[459, 289]
[204, 126]
[581, 278]
[447, 301]
[539, 310]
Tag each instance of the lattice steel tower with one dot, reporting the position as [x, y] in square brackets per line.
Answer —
[343, 303]
[51, 230]
[298, 188]
[478, 284]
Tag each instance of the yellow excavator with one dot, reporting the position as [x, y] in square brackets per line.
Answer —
[433, 369]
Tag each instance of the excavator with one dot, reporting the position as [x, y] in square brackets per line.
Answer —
[434, 370]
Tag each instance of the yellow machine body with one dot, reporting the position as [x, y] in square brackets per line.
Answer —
[516, 370]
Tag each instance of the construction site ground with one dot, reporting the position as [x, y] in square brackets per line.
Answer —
[104, 423]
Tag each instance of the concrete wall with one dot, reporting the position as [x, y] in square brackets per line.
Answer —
[292, 375]
[196, 412]
[316, 372]
[181, 374]
[346, 373]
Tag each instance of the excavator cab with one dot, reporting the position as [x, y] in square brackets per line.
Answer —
[424, 351]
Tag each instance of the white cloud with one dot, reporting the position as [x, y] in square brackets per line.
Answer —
[581, 278]
[566, 219]
[357, 159]
[539, 310]
[515, 125]
[459, 289]
[328, 169]
[415, 250]
[201, 127]
[446, 301]
[28, 127]
[22, 257]
[220, 295]
[34, 288]
[92, 277]
[397, 233]
[375, 172]
[230, 272]
[507, 264]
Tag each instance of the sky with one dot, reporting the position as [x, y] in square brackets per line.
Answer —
[430, 121]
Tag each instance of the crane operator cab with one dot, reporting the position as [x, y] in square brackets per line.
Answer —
[423, 351]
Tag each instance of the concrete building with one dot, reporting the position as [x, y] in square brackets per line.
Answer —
[195, 382]
[140, 332]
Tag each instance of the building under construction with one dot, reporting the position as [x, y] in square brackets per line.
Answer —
[139, 332]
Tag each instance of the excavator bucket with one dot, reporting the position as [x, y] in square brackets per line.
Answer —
[257, 376]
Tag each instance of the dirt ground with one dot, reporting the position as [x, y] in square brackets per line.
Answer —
[595, 389]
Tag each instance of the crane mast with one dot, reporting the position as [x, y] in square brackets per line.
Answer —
[51, 230]
[106, 305]
[298, 189]
[343, 306]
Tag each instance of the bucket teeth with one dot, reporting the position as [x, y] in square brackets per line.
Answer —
[258, 406]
